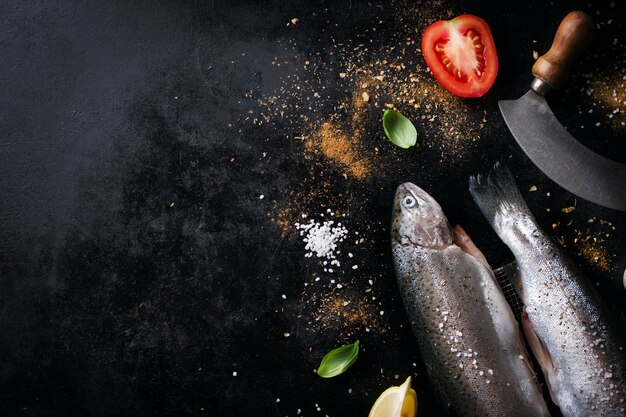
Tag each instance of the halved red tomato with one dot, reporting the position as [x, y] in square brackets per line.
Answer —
[461, 55]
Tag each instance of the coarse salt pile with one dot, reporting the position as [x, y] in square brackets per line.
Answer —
[321, 239]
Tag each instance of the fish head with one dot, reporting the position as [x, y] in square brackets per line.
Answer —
[419, 220]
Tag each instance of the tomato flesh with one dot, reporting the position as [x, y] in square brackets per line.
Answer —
[461, 55]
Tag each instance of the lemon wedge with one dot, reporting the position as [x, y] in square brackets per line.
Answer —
[396, 402]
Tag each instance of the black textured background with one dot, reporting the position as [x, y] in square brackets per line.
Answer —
[138, 267]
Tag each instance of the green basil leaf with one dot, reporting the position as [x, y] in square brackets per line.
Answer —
[399, 129]
[337, 361]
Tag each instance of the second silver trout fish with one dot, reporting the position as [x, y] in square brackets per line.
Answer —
[575, 338]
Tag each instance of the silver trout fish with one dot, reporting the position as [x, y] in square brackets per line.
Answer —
[467, 334]
[578, 343]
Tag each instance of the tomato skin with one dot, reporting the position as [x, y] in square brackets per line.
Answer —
[453, 39]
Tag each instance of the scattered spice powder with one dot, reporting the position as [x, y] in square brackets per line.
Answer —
[402, 82]
[336, 146]
[310, 194]
[350, 316]
[590, 245]
[604, 96]
[594, 252]
[608, 94]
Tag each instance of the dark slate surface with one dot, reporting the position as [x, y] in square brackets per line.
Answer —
[138, 267]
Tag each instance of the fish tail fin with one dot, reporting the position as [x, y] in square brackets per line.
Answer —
[497, 195]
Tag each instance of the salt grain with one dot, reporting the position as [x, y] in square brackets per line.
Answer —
[322, 238]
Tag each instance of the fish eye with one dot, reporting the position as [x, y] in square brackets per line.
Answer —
[409, 201]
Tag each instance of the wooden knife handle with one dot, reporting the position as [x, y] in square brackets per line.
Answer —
[572, 38]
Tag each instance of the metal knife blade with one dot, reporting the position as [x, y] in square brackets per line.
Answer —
[560, 156]
[546, 142]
